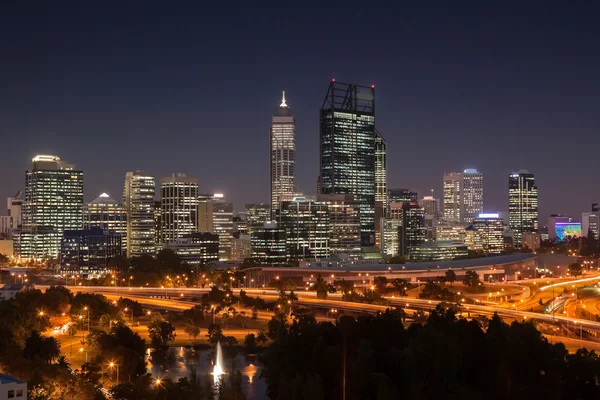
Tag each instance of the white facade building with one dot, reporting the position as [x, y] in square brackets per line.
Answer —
[282, 155]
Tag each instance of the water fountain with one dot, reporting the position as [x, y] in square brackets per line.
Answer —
[218, 371]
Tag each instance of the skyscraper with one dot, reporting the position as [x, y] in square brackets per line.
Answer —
[490, 231]
[179, 206]
[53, 203]
[344, 223]
[412, 231]
[257, 215]
[283, 154]
[471, 199]
[138, 199]
[109, 215]
[306, 225]
[590, 223]
[381, 193]
[402, 196]
[223, 226]
[452, 196]
[522, 205]
[14, 206]
[347, 147]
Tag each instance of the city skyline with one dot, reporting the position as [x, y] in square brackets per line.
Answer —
[472, 107]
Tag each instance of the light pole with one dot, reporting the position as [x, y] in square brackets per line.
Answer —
[113, 365]
[126, 309]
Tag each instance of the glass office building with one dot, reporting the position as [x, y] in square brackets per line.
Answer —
[179, 207]
[306, 224]
[522, 205]
[282, 155]
[268, 243]
[53, 203]
[347, 149]
[87, 252]
[107, 214]
[138, 199]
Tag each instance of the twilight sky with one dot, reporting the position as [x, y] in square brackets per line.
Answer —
[119, 86]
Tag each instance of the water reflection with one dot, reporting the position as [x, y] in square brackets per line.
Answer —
[180, 362]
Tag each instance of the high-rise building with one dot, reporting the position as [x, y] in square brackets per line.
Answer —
[402, 196]
[522, 205]
[347, 148]
[223, 226]
[139, 203]
[257, 215]
[381, 194]
[306, 225]
[14, 207]
[590, 223]
[269, 244]
[107, 214]
[205, 211]
[179, 206]
[471, 199]
[431, 207]
[199, 248]
[412, 232]
[283, 154]
[490, 232]
[240, 246]
[53, 203]
[88, 251]
[344, 223]
[452, 196]
[390, 236]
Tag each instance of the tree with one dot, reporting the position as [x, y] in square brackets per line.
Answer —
[380, 283]
[450, 276]
[401, 285]
[250, 343]
[161, 333]
[320, 287]
[215, 334]
[192, 331]
[46, 349]
[194, 315]
[575, 270]
[471, 279]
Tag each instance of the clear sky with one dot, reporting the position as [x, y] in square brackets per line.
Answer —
[118, 86]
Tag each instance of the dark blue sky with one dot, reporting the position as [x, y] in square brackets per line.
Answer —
[118, 86]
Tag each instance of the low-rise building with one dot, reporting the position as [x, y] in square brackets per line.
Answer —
[438, 251]
[196, 249]
[10, 290]
[12, 388]
[88, 251]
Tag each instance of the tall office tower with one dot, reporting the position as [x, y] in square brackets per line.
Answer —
[431, 207]
[283, 154]
[590, 223]
[402, 196]
[223, 226]
[306, 225]
[107, 214]
[490, 229]
[347, 147]
[257, 215]
[381, 170]
[53, 203]
[138, 199]
[412, 232]
[268, 244]
[390, 235]
[452, 196]
[344, 223]
[14, 206]
[522, 205]
[179, 206]
[205, 211]
[471, 199]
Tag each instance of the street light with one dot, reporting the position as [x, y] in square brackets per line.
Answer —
[113, 365]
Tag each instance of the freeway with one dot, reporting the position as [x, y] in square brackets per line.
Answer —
[308, 298]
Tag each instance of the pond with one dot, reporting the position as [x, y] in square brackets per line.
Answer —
[180, 361]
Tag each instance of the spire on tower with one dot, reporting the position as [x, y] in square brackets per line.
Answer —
[283, 103]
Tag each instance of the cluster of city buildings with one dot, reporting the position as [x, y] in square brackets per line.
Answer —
[353, 214]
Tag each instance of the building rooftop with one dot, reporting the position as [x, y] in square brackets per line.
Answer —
[104, 199]
[9, 379]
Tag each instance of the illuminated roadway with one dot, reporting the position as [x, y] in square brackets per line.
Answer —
[148, 297]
